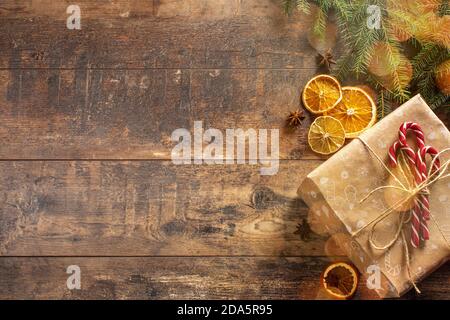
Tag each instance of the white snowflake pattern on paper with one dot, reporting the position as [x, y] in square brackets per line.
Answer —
[377, 204]
[430, 248]
[382, 144]
[431, 135]
[344, 174]
[445, 228]
[400, 113]
[363, 171]
[419, 272]
[350, 195]
[360, 224]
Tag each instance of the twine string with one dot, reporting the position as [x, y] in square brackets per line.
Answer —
[412, 192]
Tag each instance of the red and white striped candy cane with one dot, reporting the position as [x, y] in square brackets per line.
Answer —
[411, 155]
[420, 137]
[421, 208]
[420, 141]
[433, 153]
[424, 201]
[409, 152]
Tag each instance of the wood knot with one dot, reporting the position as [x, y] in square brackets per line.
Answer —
[262, 198]
[38, 55]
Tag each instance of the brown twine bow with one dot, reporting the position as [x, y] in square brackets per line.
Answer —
[412, 192]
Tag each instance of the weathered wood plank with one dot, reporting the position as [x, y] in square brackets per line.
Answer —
[13, 9]
[184, 278]
[162, 278]
[67, 208]
[131, 114]
[171, 34]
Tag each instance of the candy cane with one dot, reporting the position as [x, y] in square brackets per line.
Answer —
[420, 137]
[424, 201]
[420, 141]
[433, 153]
[417, 227]
[410, 154]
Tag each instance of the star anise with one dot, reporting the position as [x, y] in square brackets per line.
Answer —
[304, 230]
[326, 59]
[295, 118]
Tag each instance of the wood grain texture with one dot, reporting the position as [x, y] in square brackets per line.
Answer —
[183, 278]
[171, 34]
[131, 114]
[79, 103]
[67, 208]
[162, 278]
[60, 100]
[232, 64]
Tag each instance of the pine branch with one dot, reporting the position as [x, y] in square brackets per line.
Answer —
[399, 71]
[343, 67]
[290, 5]
[325, 5]
[438, 100]
[360, 38]
[425, 64]
[427, 57]
[303, 5]
[444, 8]
[343, 9]
[424, 28]
[320, 23]
[363, 51]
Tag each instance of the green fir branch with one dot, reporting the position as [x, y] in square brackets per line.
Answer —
[384, 105]
[290, 5]
[444, 8]
[439, 100]
[320, 23]
[358, 41]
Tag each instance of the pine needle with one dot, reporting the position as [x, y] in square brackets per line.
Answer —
[424, 27]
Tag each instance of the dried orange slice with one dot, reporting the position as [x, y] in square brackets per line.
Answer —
[356, 111]
[321, 93]
[340, 280]
[326, 135]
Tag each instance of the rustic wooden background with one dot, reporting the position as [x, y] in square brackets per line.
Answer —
[86, 177]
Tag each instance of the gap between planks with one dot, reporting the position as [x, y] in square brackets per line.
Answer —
[138, 160]
[158, 68]
[173, 256]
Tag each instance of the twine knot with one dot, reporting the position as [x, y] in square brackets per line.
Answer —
[418, 193]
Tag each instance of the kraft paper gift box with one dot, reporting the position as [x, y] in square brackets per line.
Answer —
[335, 191]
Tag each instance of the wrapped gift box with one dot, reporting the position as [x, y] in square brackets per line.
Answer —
[335, 189]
